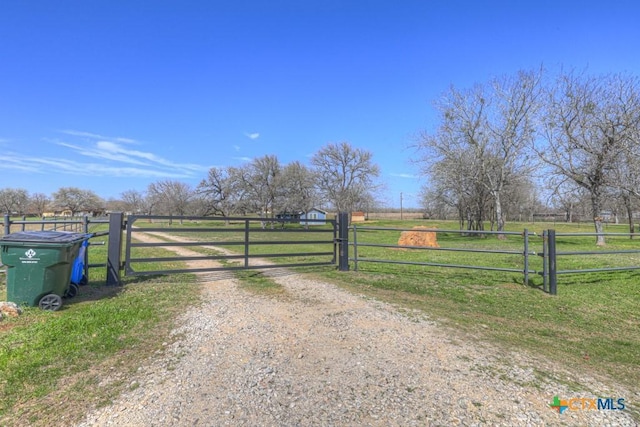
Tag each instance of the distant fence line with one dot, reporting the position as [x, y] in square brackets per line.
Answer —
[78, 224]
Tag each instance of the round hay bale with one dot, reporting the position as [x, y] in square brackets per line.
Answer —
[426, 236]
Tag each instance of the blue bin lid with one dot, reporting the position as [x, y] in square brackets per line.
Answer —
[45, 237]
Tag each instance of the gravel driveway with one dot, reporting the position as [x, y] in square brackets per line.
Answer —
[320, 356]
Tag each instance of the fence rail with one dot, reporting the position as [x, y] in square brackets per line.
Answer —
[241, 234]
[548, 252]
[525, 253]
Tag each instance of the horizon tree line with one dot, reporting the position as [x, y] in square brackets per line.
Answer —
[339, 176]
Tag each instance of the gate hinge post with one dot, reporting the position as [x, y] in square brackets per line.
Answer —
[114, 249]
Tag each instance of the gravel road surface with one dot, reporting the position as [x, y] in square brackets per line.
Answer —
[320, 356]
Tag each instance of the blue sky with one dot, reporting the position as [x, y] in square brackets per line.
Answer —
[113, 95]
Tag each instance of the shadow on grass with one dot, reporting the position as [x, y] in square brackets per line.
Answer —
[96, 291]
[532, 284]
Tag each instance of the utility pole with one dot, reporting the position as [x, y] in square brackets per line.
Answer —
[401, 206]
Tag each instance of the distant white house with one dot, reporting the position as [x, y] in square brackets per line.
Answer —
[313, 216]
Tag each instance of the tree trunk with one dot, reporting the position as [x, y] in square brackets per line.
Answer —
[499, 216]
[629, 209]
[570, 213]
[597, 219]
[597, 222]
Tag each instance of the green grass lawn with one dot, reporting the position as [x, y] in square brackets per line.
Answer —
[60, 364]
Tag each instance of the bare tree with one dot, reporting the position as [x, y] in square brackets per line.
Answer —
[520, 199]
[13, 200]
[456, 180]
[627, 171]
[263, 182]
[627, 179]
[588, 124]
[77, 200]
[171, 197]
[221, 193]
[346, 176]
[135, 202]
[116, 205]
[38, 203]
[262, 186]
[437, 204]
[490, 126]
[297, 191]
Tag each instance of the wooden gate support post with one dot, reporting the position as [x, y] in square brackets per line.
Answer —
[343, 241]
[114, 250]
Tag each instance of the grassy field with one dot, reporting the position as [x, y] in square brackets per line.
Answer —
[64, 359]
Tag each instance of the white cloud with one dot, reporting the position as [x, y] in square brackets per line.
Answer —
[254, 135]
[90, 135]
[58, 165]
[115, 152]
[243, 159]
[404, 175]
[100, 156]
[17, 162]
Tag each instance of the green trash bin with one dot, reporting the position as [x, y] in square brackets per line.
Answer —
[39, 266]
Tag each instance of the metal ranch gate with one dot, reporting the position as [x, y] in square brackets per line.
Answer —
[234, 243]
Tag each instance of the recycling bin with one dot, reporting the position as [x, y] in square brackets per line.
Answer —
[39, 266]
[77, 270]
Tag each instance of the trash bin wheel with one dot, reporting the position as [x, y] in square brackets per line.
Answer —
[51, 302]
[71, 291]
